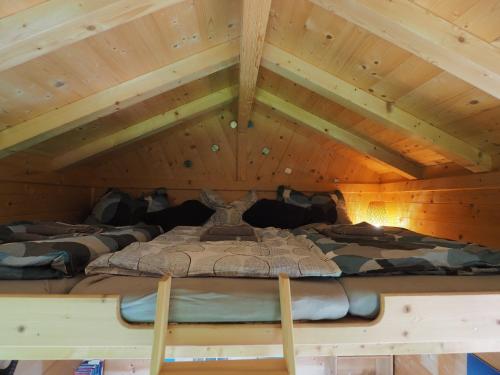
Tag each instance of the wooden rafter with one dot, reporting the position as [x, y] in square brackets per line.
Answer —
[68, 117]
[254, 19]
[56, 23]
[394, 161]
[426, 35]
[146, 128]
[355, 99]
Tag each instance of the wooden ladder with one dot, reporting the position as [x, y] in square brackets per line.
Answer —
[280, 366]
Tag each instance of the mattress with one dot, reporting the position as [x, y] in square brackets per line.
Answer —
[50, 286]
[364, 292]
[218, 300]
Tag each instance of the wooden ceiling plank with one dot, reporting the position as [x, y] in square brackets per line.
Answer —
[426, 35]
[254, 18]
[146, 128]
[54, 24]
[90, 108]
[355, 99]
[397, 163]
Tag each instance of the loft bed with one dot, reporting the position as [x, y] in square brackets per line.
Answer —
[449, 318]
[395, 101]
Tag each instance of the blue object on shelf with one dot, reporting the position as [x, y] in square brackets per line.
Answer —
[476, 366]
[93, 367]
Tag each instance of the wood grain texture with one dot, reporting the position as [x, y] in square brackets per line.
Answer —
[392, 74]
[287, 324]
[34, 201]
[393, 161]
[71, 116]
[458, 208]
[115, 56]
[313, 159]
[254, 17]
[374, 365]
[448, 323]
[321, 39]
[160, 325]
[325, 84]
[47, 367]
[430, 364]
[53, 24]
[432, 38]
[146, 128]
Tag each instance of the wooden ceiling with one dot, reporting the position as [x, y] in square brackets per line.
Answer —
[359, 91]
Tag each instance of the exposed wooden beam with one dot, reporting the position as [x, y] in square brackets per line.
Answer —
[68, 117]
[477, 181]
[254, 17]
[394, 161]
[146, 128]
[53, 24]
[426, 35]
[355, 99]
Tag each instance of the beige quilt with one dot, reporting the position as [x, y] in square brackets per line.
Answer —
[180, 253]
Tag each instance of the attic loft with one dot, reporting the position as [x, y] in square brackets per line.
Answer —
[351, 128]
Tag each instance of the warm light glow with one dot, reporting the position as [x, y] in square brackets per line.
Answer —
[376, 213]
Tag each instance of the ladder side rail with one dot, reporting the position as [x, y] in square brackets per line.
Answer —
[161, 324]
[287, 323]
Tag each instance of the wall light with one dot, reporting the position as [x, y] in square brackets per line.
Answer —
[376, 213]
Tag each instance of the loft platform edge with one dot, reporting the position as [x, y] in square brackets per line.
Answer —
[75, 327]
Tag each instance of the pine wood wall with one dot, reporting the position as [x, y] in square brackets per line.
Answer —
[463, 208]
[313, 159]
[43, 201]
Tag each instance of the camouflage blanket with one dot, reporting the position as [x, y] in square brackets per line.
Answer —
[37, 231]
[362, 249]
[181, 253]
[57, 250]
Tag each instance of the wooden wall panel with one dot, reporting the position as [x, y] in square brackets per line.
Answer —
[443, 364]
[369, 365]
[453, 207]
[313, 159]
[35, 201]
[421, 152]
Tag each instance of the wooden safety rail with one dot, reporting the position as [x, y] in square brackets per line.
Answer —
[76, 327]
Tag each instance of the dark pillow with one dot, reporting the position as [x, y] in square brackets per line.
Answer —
[326, 201]
[278, 214]
[118, 208]
[192, 212]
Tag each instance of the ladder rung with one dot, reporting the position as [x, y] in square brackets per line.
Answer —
[285, 366]
[227, 367]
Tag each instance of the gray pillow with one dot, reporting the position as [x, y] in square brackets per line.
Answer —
[227, 213]
[157, 200]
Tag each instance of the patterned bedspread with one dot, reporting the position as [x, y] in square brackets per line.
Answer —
[363, 249]
[181, 253]
[32, 251]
